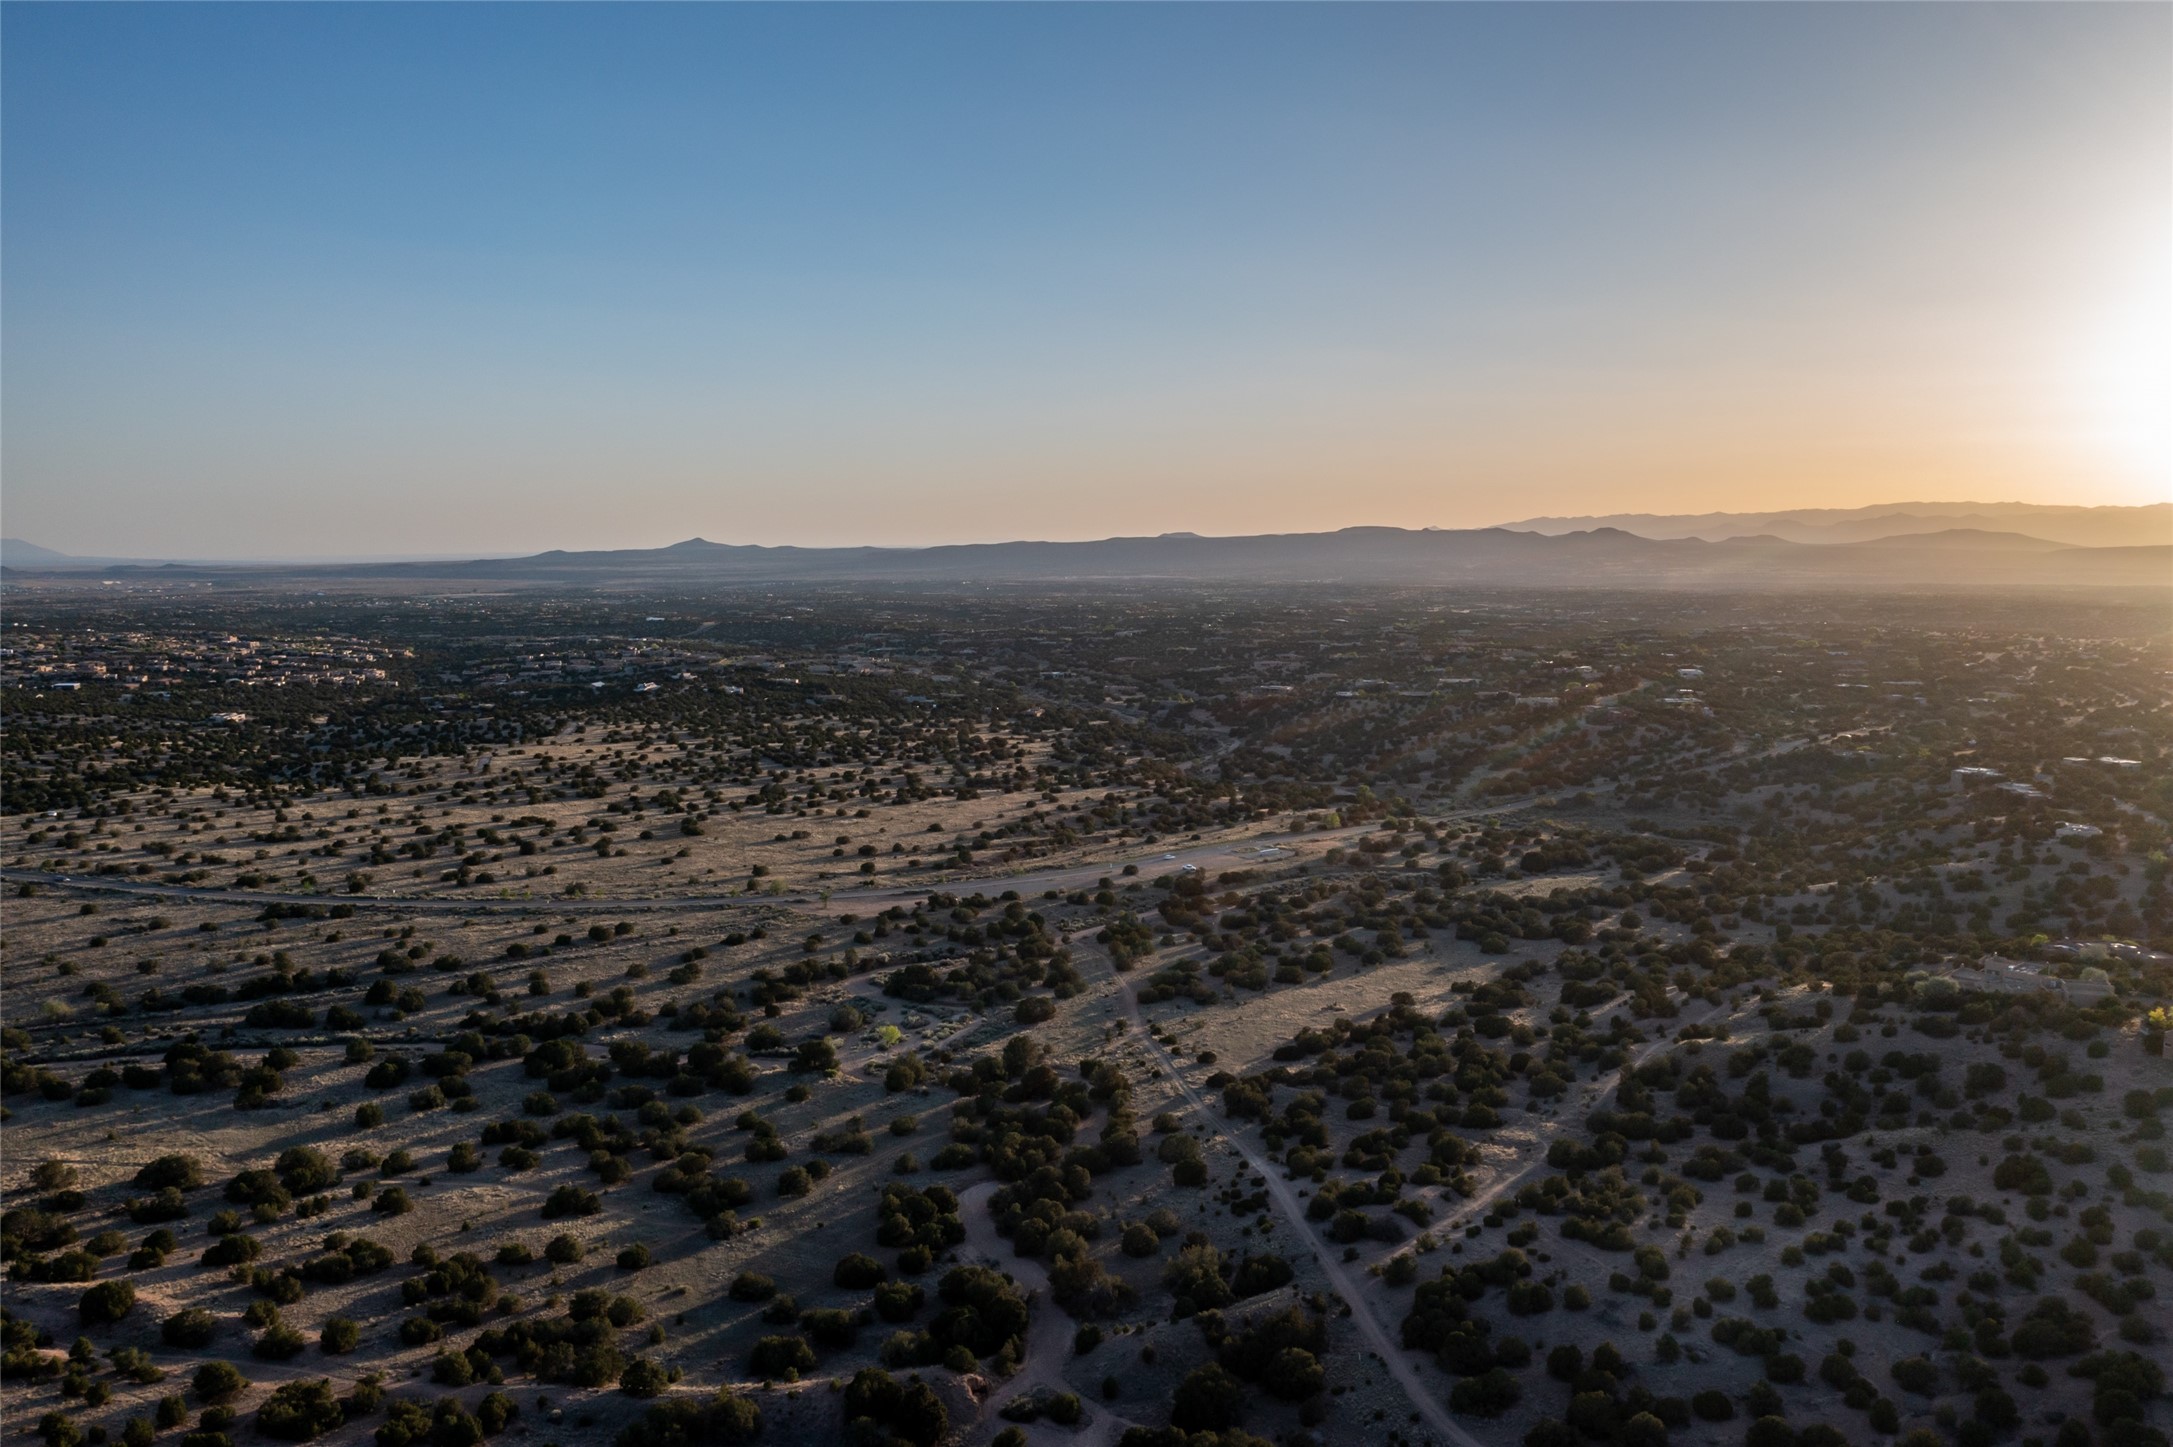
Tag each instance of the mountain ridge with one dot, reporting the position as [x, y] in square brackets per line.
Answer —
[16, 552]
[2112, 525]
[1500, 556]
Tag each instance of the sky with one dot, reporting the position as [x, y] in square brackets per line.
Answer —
[425, 279]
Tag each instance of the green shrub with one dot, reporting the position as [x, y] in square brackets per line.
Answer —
[1770, 1432]
[858, 1272]
[643, 1378]
[1207, 1400]
[1916, 1374]
[189, 1329]
[279, 1342]
[178, 1172]
[216, 1382]
[1713, 1405]
[106, 1303]
[298, 1411]
[693, 1422]
[785, 1357]
[1488, 1394]
[906, 1411]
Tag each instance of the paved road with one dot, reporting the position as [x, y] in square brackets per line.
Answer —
[1219, 856]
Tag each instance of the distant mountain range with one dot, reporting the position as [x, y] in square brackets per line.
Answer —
[1753, 554]
[2078, 527]
[15, 553]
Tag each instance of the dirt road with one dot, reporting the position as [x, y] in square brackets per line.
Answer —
[1390, 1353]
[1593, 1091]
[1431, 1409]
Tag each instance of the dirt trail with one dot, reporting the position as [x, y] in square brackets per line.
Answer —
[1593, 1091]
[1515, 749]
[1390, 1353]
[1399, 1365]
[1048, 1336]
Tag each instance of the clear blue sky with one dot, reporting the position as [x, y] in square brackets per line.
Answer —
[430, 278]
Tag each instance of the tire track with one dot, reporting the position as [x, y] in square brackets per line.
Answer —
[1391, 1355]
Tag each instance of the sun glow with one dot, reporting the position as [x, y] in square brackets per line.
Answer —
[2123, 390]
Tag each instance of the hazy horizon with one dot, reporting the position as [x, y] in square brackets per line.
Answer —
[2019, 525]
[288, 282]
